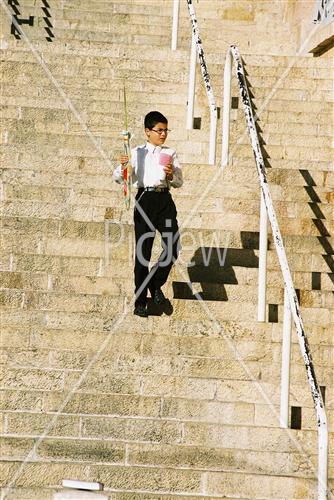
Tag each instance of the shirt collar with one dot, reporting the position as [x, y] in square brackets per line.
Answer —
[151, 148]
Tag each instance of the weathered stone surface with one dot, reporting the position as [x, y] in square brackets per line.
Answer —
[145, 430]
[181, 406]
[34, 424]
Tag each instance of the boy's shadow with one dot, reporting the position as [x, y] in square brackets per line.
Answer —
[213, 267]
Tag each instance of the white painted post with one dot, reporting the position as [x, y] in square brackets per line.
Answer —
[191, 85]
[263, 245]
[176, 8]
[213, 136]
[322, 463]
[285, 373]
[226, 108]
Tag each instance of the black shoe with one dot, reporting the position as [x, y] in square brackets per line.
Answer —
[158, 297]
[140, 310]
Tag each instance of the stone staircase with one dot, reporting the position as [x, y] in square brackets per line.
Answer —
[176, 406]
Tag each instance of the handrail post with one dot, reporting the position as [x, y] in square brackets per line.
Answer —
[213, 136]
[263, 248]
[176, 8]
[191, 85]
[322, 460]
[226, 108]
[286, 355]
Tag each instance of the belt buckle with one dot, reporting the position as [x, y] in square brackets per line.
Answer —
[158, 189]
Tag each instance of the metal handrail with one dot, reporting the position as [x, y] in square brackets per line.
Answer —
[207, 82]
[290, 293]
[324, 12]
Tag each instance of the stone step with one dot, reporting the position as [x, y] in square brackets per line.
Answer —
[217, 183]
[27, 70]
[103, 125]
[57, 120]
[123, 388]
[66, 237]
[274, 139]
[91, 166]
[98, 77]
[69, 252]
[69, 199]
[216, 286]
[168, 409]
[168, 480]
[102, 285]
[109, 375]
[112, 96]
[44, 105]
[76, 282]
[49, 356]
[59, 255]
[103, 305]
[121, 39]
[200, 221]
[68, 331]
[12, 126]
[179, 455]
[305, 67]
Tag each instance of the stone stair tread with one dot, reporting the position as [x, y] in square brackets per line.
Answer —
[106, 306]
[212, 291]
[87, 284]
[144, 454]
[171, 480]
[66, 330]
[215, 185]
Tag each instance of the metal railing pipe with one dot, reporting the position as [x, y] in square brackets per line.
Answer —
[285, 372]
[175, 27]
[207, 82]
[191, 85]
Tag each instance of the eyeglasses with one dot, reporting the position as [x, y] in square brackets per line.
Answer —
[161, 130]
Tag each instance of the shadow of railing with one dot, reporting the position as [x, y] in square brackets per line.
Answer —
[319, 222]
[211, 268]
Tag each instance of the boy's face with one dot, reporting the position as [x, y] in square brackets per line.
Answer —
[158, 134]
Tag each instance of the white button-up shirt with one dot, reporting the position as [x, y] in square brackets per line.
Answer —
[146, 171]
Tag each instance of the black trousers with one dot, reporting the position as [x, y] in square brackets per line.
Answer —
[161, 212]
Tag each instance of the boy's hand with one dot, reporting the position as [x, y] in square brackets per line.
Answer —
[124, 160]
[168, 169]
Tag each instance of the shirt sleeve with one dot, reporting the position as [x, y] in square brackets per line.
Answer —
[177, 173]
[118, 173]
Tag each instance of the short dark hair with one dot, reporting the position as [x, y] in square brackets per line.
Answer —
[154, 117]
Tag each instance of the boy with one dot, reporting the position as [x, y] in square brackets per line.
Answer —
[155, 169]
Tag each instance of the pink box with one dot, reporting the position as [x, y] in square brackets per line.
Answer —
[165, 159]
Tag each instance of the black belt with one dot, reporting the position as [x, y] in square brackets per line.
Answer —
[156, 189]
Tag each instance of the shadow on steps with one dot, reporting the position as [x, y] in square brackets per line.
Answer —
[212, 267]
[318, 221]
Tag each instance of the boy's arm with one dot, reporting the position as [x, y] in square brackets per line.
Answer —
[118, 172]
[177, 180]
